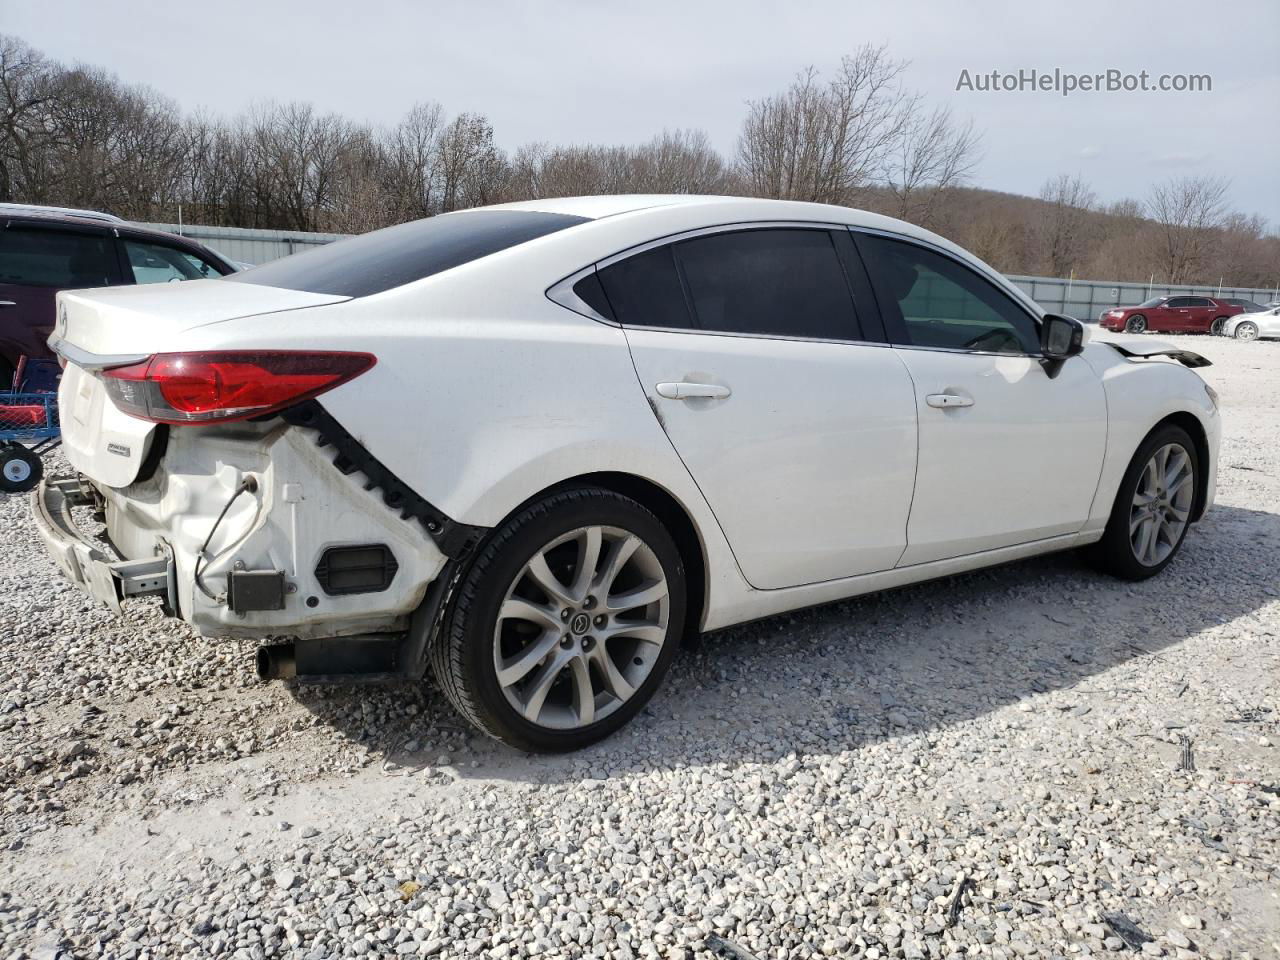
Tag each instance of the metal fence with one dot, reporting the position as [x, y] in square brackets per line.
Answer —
[248, 245]
[1086, 299]
[1083, 299]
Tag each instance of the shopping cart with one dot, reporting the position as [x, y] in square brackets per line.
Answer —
[28, 425]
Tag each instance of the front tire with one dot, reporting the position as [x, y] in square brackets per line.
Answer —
[1248, 330]
[1153, 507]
[1216, 328]
[1136, 324]
[565, 622]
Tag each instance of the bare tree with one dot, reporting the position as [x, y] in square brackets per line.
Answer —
[26, 92]
[1190, 212]
[412, 162]
[678, 161]
[471, 167]
[1061, 231]
[825, 142]
[933, 153]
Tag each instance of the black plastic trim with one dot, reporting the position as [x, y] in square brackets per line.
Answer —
[453, 538]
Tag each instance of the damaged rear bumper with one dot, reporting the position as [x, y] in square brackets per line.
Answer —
[103, 576]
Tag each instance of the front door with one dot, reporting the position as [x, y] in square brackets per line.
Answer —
[1007, 454]
[802, 438]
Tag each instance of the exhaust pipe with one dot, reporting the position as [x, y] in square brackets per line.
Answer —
[360, 659]
[276, 662]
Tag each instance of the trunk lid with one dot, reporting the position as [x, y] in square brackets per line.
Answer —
[151, 318]
[115, 326]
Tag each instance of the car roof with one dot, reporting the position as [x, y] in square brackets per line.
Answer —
[727, 210]
[43, 210]
[121, 227]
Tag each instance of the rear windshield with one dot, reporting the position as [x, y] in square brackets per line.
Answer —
[378, 261]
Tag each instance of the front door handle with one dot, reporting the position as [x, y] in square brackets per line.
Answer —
[7, 303]
[690, 391]
[943, 401]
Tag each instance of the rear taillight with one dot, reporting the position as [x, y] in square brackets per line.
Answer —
[216, 386]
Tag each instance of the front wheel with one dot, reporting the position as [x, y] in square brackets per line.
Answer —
[20, 469]
[1218, 325]
[1248, 330]
[1152, 510]
[565, 623]
[1135, 324]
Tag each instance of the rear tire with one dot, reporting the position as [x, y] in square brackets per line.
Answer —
[539, 649]
[1217, 326]
[1136, 324]
[1153, 507]
[20, 469]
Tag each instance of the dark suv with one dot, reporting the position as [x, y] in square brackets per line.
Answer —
[42, 252]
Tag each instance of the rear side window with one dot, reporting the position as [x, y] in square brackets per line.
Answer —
[56, 258]
[644, 291]
[770, 282]
[383, 259]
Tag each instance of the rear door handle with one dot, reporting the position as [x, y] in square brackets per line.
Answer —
[7, 303]
[944, 400]
[689, 391]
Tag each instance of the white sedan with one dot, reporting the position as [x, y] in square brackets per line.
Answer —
[1254, 326]
[531, 447]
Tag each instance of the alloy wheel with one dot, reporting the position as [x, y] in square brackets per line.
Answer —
[1136, 325]
[1161, 504]
[1218, 325]
[1247, 331]
[581, 627]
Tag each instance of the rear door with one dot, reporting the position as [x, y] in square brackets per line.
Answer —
[776, 390]
[1203, 310]
[36, 261]
[1178, 316]
[1008, 455]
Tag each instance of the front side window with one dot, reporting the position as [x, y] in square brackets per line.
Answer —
[56, 258]
[931, 300]
[159, 263]
[1179, 303]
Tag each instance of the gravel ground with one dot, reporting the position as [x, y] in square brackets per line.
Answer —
[988, 766]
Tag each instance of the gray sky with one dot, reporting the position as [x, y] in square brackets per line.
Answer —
[606, 72]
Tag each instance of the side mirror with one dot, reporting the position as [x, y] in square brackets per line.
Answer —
[1060, 339]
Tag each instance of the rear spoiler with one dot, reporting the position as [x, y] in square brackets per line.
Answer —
[1132, 351]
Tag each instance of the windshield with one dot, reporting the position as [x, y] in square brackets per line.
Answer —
[377, 261]
[1153, 302]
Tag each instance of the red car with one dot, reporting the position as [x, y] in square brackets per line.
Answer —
[44, 250]
[1180, 314]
